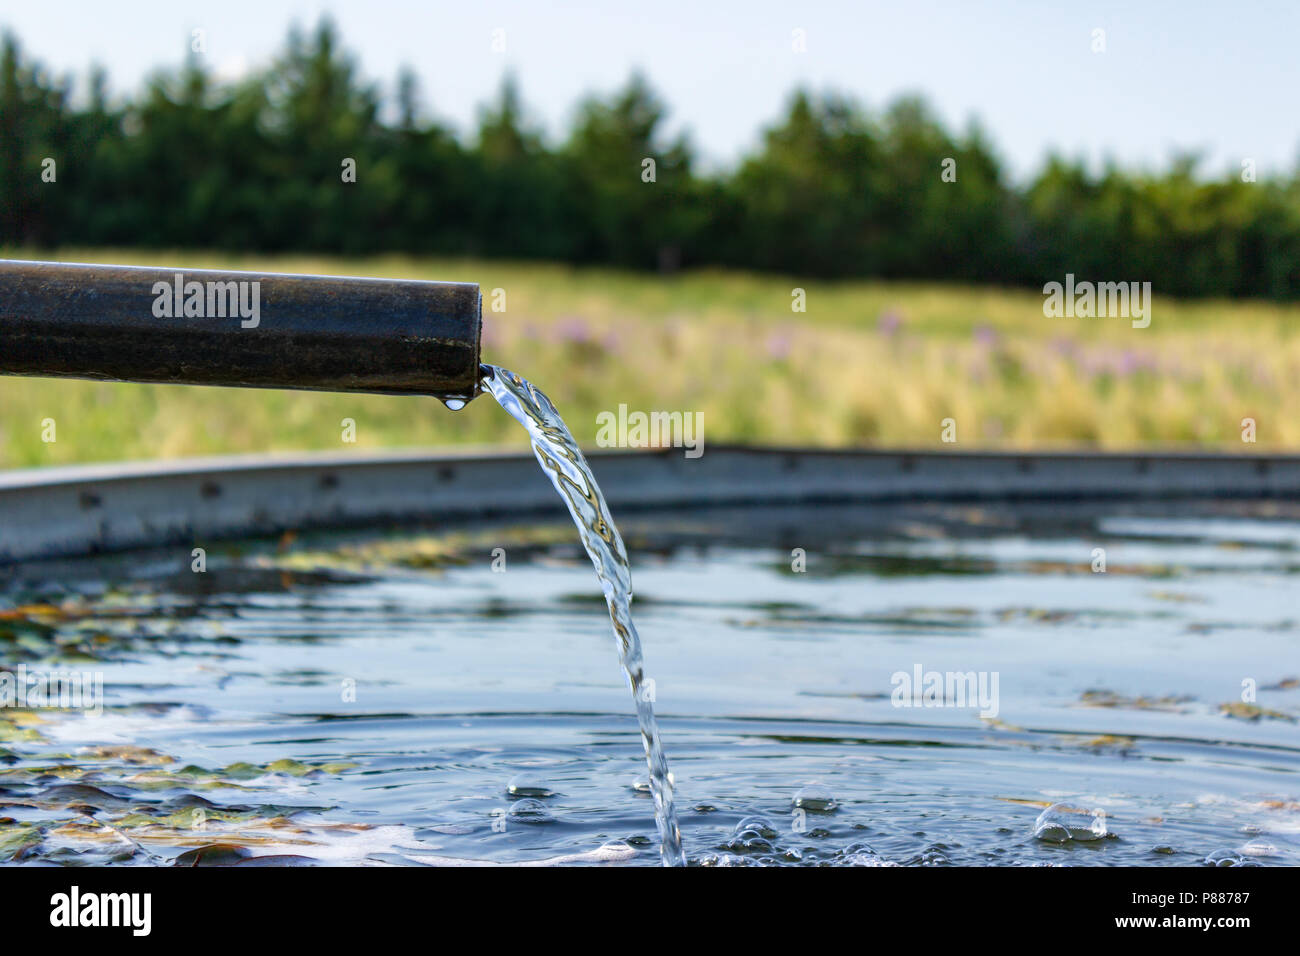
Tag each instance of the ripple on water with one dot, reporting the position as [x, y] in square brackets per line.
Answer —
[529, 810]
[440, 743]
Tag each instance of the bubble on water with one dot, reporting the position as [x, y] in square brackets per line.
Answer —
[757, 825]
[529, 810]
[1228, 858]
[753, 834]
[817, 798]
[1062, 823]
[861, 854]
[932, 855]
[1258, 848]
[527, 784]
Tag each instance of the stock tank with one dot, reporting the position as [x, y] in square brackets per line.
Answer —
[856, 659]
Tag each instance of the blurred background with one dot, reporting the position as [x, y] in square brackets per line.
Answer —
[824, 224]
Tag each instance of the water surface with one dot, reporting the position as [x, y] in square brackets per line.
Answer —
[389, 698]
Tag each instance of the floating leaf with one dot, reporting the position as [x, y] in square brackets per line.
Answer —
[1244, 711]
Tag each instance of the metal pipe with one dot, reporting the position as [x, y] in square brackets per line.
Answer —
[242, 329]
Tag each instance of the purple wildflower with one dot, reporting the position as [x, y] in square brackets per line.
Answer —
[778, 345]
[572, 329]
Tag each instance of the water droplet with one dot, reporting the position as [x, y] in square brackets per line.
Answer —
[1061, 823]
[455, 404]
[528, 785]
[529, 810]
[817, 798]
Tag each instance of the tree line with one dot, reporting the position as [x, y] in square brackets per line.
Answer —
[832, 190]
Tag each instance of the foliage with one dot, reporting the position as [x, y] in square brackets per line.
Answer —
[832, 191]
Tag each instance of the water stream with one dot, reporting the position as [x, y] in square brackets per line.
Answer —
[564, 464]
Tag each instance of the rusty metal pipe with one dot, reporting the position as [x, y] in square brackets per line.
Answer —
[242, 329]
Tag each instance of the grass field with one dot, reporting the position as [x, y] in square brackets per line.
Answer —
[868, 364]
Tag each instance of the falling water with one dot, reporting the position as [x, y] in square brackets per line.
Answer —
[564, 464]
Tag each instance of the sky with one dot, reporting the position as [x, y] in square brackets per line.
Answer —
[1218, 78]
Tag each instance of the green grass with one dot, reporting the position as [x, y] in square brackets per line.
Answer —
[868, 364]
